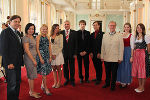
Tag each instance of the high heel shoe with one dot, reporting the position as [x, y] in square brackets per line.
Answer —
[42, 88]
[54, 86]
[47, 93]
[58, 86]
[34, 95]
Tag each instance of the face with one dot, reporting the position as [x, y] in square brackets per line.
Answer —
[3, 27]
[96, 26]
[15, 23]
[44, 30]
[56, 29]
[82, 26]
[112, 26]
[127, 28]
[31, 30]
[67, 25]
[139, 29]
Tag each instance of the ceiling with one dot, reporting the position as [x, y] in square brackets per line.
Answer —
[82, 5]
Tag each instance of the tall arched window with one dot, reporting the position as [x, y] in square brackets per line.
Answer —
[4, 11]
[35, 13]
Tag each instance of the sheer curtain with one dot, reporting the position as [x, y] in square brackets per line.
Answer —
[4, 11]
[35, 13]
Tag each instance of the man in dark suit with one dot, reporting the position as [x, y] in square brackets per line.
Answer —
[95, 51]
[12, 52]
[69, 52]
[20, 33]
[83, 50]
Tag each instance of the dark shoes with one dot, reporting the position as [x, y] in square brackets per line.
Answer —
[81, 81]
[66, 82]
[105, 86]
[87, 81]
[112, 88]
[97, 82]
[123, 86]
[73, 84]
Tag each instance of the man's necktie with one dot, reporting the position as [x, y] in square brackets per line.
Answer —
[82, 34]
[67, 35]
[17, 36]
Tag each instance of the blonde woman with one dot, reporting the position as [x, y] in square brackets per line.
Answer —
[57, 56]
[43, 47]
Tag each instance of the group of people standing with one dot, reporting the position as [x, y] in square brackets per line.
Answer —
[125, 55]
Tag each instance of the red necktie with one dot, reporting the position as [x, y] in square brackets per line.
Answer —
[67, 35]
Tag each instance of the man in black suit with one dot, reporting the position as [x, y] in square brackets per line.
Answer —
[83, 50]
[12, 52]
[69, 52]
[95, 53]
[20, 32]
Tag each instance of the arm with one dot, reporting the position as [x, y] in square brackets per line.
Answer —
[50, 50]
[121, 48]
[102, 50]
[37, 49]
[5, 44]
[26, 49]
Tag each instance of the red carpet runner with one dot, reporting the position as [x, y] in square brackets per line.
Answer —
[85, 91]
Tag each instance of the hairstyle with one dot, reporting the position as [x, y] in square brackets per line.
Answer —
[3, 24]
[113, 22]
[129, 26]
[82, 21]
[67, 21]
[43, 25]
[28, 26]
[143, 30]
[53, 29]
[14, 17]
[96, 22]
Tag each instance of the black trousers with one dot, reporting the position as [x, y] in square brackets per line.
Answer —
[98, 67]
[69, 64]
[111, 68]
[13, 77]
[86, 66]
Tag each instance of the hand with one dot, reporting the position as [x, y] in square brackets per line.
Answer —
[131, 59]
[11, 66]
[99, 56]
[75, 56]
[91, 55]
[50, 59]
[35, 63]
[119, 61]
[42, 61]
[84, 53]
[81, 53]
[53, 57]
[102, 60]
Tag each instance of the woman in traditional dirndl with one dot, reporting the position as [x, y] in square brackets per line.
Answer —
[139, 56]
[124, 69]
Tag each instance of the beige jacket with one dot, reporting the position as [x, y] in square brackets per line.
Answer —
[57, 46]
[112, 47]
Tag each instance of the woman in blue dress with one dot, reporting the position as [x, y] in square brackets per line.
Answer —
[124, 69]
[43, 58]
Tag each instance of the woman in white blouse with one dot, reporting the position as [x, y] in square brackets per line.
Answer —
[57, 56]
[139, 56]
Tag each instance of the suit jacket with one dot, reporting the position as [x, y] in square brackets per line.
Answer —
[12, 49]
[83, 45]
[70, 47]
[96, 43]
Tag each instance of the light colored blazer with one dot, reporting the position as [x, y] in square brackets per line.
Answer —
[57, 46]
[112, 47]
